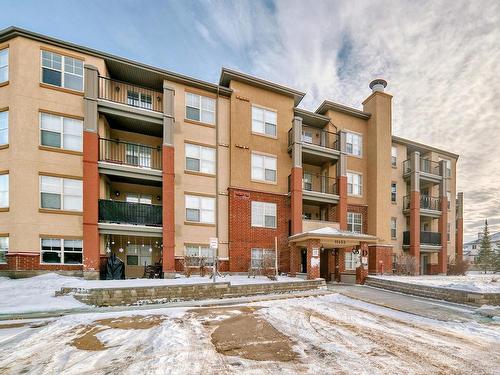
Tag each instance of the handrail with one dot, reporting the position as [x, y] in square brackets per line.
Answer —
[122, 212]
[128, 153]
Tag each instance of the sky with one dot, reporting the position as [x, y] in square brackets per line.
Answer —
[441, 60]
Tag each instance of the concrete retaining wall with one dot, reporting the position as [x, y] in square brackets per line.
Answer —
[186, 292]
[447, 294]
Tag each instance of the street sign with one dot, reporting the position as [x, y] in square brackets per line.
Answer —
[214, 243]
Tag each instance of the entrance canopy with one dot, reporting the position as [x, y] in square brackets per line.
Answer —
[332, 237]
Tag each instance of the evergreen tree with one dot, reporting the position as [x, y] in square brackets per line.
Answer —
[497, 258]
[486, 254]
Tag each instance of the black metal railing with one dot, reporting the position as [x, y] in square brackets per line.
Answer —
[120, 152]
[407, 166]
[426, 238]
[132, 95]
[426, 202]
[319, 183]
[318, 137]
[129, 213]
[426, 166]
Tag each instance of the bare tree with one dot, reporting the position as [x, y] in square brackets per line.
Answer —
[406, 265]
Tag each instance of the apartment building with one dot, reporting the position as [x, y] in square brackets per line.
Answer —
[100, 155]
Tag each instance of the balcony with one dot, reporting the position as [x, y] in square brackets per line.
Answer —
[317, 188]
[429, 206]
[318, 145]
[430, 240]
[130, 95]
[120, 212]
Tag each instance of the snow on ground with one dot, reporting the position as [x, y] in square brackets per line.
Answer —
[38, 293]
[329, 334]
[475, 282]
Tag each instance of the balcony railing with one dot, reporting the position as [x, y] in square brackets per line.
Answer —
[132, 95]
[318, 137]
[127, 153]
[426, 238]
[316, 183]
[426, 203]
[426, 166]
[130, 213]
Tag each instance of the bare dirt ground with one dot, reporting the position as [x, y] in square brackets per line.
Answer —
[330, 334]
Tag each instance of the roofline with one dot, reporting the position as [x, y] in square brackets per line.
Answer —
[305, 113]
[405, 141]
[227, 75]
[326, 105]
[13, 31]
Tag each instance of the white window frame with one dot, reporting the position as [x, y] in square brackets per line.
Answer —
[143, 154]
[394, 156]
[141, 101]
[6, 128]
[359, 184]
[138, 198]
[62, 70]
[203, 251]
[394, 228]
[448, 166]
[61, 252]
[61, 131]
[201, 107]
[6, 66]
[200, 199]
[261, 210]
[6, 192]
[350, 261]
[394, 193]
[205, 165]
[260, 163]
[4, 249]
[257, 257]
[263, 116]
[61, 193]
[141, 252]
[352, 222]
[356, 147]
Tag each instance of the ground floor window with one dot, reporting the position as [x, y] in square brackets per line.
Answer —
[196, 255]
[262, 258]
[4, 249]
[61, 251]
[139, 255]
[351, 260]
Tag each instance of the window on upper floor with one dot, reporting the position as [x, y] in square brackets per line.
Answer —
[4, 249]
[200, 108]
[448, 196]
[200, 158]
[393, 228]
[264, 121]
[4, 65]
[138, 198]
[448, 167]
[139, 99]
[58, 193]
[264, 167]
[354, 144]
[61, 132]
[394, 156]
[263, 214]
[448, 231]
[62, 71]
[354, 184]
[4, 190]
[4, 127]
[61, 251]
[393, 192]
[355, 222]
[200, 209]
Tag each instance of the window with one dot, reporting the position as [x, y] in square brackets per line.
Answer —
[394, 156]
[139, 99]
[138, 198]
[393, 228]
[139, 255]
[61, 193]
[200, 108]
[200, 159]
[447, 166]
[393, 192]
[200, 209]
[354, 184]
[4, 249]
[307, 181]
[307, 136]
[4, 191]
[350, 260]
[263, 168]
[448, 230]
[262, 258]
[62, 71]
[264, 121]
[61, 251]
[138, 155]
[264, 214]
[4, 127]
[355, 222]
[61, 132]
[197, 253]
[354, 144]
[4, 65]
[448, 196]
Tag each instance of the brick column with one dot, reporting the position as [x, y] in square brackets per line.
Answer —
[443, 221]
[91, 251]
[296, 199]
[414, 228]
[313, 261]
[342, 185]
[294, 259]
[459, 236]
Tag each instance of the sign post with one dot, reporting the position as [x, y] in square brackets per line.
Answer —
[214, 245]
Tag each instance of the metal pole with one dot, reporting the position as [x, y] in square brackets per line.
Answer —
[276, 256]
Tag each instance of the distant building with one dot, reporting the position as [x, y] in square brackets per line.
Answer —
[471, 248]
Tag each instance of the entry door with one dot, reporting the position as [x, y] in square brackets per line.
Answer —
[323, 265]
[303, 260]
[423, 264]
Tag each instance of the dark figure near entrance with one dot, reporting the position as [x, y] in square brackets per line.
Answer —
[115, 269]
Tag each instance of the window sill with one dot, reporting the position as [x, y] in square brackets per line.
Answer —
[61, 212]
[4, 83]
[354, 196]
[355, 156]
[186, 171]
[265, 135]
[3, 147]
[4, 209]
[264, 182]
[60, 150]
[259, 227]
[199, 224]
[199, 123]
[62, 89]
[61, 264]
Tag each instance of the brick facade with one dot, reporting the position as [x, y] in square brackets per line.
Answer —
[243, 237]
[31, 262]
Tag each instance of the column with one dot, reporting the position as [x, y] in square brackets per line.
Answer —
[313, 257]
[415, 207]
[91, 251]
[459, 236]
[443, 221]
[342, 183]
[294, 259]
[168, 188]
[296, 176]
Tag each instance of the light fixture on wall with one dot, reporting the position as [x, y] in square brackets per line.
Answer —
[158, 198]
[117, 193]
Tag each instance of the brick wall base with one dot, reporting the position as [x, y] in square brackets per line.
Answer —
[379, 259]
[179, 266]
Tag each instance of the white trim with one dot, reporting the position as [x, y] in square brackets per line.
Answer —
[61, 251]
[360, 184]
[265, 205]
[360, 143]
[199, 108]
[62, 70]
[61, 193]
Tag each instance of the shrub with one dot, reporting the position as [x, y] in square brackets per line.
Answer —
[458, 267]
[405, 265]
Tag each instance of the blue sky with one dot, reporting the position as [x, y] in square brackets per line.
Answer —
[441, 59]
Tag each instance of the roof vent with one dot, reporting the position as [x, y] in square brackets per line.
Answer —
[378, 85]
